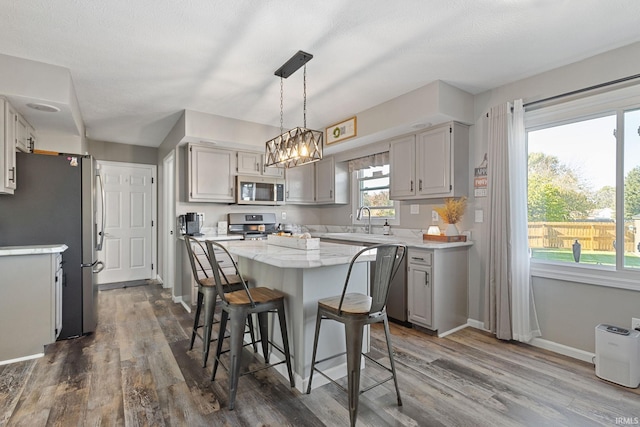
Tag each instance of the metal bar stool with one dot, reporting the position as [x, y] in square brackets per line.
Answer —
[207, 297]
[237, 307]
[356, 311]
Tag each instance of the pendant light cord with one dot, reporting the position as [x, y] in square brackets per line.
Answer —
[281, 107]
[304, 97]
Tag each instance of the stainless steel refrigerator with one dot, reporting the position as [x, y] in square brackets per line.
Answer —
[55, 203]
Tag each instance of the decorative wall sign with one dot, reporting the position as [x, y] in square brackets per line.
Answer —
[480, 179]
[341, 131]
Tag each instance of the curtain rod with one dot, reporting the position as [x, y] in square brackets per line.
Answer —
[578, 91]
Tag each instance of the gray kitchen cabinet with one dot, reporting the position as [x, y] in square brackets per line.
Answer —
[210, 174]
[402, 154]
[321, 182]
[252, 163]
[332, 182]
[300, 184]
[30, 301]
[22, 134]
[437, 288]
[8, 117]
[435, 164]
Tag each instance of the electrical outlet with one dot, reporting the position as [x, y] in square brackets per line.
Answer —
[635, 323]
[434, 216]
[284, 215]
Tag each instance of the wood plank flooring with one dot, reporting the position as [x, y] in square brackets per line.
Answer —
[136, 370]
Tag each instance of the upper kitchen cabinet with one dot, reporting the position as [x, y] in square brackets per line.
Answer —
[252, 163]
[321, 182]
[300, 184]
[332, 182]
[402, 152]
[431, 164]
[8, 116]
[210, 174]
[23, 131]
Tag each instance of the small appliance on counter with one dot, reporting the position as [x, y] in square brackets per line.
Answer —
[191, 223]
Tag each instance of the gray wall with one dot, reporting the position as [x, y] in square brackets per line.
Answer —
[568, 312]
[114, 152]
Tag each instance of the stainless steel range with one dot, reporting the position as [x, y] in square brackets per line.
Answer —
[253, 226]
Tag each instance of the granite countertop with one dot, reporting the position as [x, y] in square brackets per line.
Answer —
[411, 241]
[32, 249]
[283, 257]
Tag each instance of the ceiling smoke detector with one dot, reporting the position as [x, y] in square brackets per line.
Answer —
[43, 107]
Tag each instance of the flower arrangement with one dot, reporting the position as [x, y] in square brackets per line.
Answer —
[453, 209]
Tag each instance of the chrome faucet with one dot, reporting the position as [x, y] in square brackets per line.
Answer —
[359, 216]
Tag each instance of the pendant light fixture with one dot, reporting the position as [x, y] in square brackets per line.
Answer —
[299, 145]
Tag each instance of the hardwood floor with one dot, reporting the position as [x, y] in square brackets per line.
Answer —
[136, 370]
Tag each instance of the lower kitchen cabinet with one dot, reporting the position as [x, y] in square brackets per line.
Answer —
[437, 288]
[30, 300]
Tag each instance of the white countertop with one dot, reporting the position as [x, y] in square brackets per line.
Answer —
[413, 242]
[32, 249]
[283, 257]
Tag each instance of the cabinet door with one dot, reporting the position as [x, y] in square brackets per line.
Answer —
[8, 148]
[433, 149]
[210, 174]
[249, 163]
[300, 184]
[420, 295]
[58, 295]
[402, 157]
[271, 170]
[22, 134]
[31, 139]
[325, 180]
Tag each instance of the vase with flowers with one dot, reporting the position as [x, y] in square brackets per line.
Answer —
[451, 213]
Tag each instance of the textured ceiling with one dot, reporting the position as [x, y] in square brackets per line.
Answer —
[137, 64]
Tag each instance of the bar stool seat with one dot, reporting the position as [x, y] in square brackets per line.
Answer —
[207, 297]
[237, 306]
[356, 311]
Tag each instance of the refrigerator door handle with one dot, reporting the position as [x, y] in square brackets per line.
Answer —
[95, 263]
[102, 198]
[100, 265]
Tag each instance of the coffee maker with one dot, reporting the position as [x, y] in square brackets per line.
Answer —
[191, 223]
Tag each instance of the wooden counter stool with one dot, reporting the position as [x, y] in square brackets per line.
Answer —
[239, 305]
[207, 296]
[356, 311]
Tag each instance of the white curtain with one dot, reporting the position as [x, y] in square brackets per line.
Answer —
[509, 307]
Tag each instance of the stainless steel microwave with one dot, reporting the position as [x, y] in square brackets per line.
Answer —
[259, 190]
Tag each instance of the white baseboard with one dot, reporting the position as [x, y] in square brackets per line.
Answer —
[21, 359]
[585, 356]
[476, 324]
[451, 331]
[575, 353]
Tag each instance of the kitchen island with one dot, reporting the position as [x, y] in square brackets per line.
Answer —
[305, 276]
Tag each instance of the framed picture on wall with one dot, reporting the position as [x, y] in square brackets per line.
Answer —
[341, 131]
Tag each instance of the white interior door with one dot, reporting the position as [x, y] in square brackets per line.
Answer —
[129, 215]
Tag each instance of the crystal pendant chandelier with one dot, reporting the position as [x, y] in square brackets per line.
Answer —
[299, 145]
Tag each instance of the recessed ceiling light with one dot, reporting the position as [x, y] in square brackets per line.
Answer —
[43, 107]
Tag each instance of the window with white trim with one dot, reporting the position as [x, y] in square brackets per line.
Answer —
[584, 184]
[373, 192]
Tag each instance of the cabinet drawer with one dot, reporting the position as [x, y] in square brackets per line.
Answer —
[420, 257]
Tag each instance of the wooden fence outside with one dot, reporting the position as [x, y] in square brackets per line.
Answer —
[596, 236]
